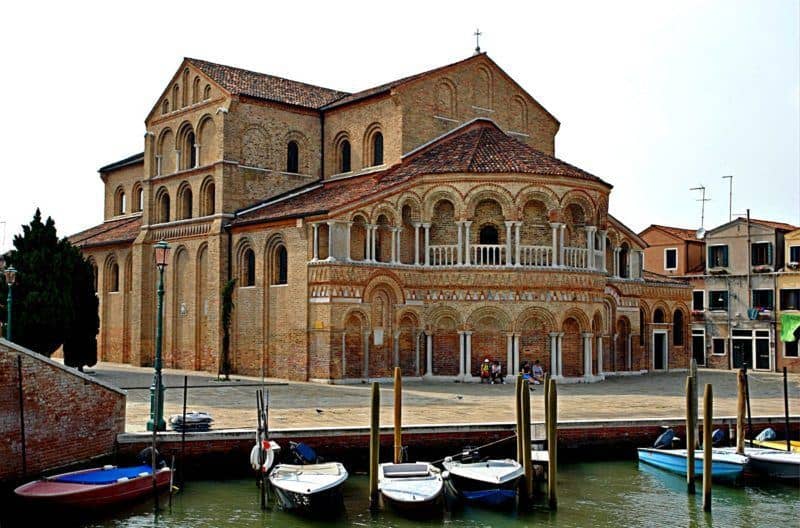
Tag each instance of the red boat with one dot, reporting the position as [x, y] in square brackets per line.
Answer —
[94, 488]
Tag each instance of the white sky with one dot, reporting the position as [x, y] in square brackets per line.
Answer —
[653, 97]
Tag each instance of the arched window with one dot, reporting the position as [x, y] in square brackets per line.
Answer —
[658, 315]
[163, 206]
[292, 157]
[344, 156]
[207, 92]
[176, 95]
[280, 266]
[677, 328]
[196, 90]
[185, 202]
[489, 235]
[377, 149]
[642, 323]
[207, 197]
[185, 101]
[624, 271]
[94, 275]
[113, 277]
[192, 151]
[138, 197]
[248, 271]
[119, 201]
[165, 106]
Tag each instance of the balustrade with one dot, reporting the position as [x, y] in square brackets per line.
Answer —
[443, 255]
[576, 257]
[488, 254]
[536, 256]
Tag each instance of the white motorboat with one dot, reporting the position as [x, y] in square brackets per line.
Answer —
[311, 488]
[490, 482]
[411, 487]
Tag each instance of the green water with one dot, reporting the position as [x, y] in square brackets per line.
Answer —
[590, 494]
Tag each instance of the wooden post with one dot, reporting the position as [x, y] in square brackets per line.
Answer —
[546, 388]
[552, 445]
[786, 412]
[708, 413]
[398, 408]
[374, 445]
[695, 405]
[526, 441]
[740, 408]
[518, 416]
[691, 423]
[183, 431]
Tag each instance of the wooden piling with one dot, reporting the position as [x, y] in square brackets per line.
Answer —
[740, 409]
[786, 412]
[183, 431]
[546, 389]
[374, 445]
[695, 400]
[518, 416]
[708, 413]
[691, 423]
[552, 444]
[527, 464]
[398, 408]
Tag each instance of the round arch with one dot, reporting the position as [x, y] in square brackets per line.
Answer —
[439, 193]
[491, 192]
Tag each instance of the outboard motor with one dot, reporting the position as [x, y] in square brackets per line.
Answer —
[717, 437]
[145, 458]
[303, 453]
[664, 441]
[766, 435]
[469, 454]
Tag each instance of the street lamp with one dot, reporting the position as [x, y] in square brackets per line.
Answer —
[11, 277]
[157, 388]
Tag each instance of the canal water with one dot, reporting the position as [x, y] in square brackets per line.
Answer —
[593, 494]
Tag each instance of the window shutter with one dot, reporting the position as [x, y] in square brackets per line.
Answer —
[725, 256]
[769, 253]
[710, 258]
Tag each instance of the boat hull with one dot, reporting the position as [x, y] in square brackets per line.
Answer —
[777, 465]
[674, 460]
[780, 445]
[481, 493]
[319, 504]
[411, 489]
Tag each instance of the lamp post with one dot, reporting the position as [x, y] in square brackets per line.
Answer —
[157, 388]
[11, 277]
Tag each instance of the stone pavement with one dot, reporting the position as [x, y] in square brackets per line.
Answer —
[315, 405]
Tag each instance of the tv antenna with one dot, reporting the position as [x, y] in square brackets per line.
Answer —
[702, 201]
[730, 196]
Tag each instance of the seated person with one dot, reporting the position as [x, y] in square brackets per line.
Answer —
[497, 373]
[526, 371]
[485, 371]
[537, 373]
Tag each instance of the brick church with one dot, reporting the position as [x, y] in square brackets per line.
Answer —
[424, 223]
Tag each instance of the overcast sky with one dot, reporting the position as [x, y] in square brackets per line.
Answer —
[652, 97]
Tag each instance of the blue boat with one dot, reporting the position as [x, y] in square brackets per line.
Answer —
[724, 464]
[489, 482]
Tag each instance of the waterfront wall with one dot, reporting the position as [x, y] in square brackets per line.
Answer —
[69, 418]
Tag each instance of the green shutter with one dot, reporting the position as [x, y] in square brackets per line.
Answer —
[769, 253]
[724, 256]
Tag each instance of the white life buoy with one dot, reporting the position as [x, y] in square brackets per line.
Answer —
[269, 458]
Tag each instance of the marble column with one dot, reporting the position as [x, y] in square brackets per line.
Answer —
[348, 225]
[517, 227]
[416, 243]
[599, 355]
[554, 367]
[587, 354]
[331, 229]
[315, 245]
[344, 354]
[428, 354]
[616, 262]
[196, 155]
[468, 356]
[509, 224]
[417, 335]
[590, 230]
[510, 364]
[560, 356]
[466, 242]
[427, 228]
[461, 349]
[459, 243]
[562, 230]
[603, 263]
[158, 165]
[517, 338]
[393, 258]
[177, 160]
[555, 226]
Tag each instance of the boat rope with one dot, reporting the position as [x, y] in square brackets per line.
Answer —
[476, 448]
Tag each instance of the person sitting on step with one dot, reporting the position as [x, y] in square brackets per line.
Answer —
[497, 373]
[485, 374]
[537, 373]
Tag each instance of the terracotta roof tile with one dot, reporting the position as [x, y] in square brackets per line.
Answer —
[269, 87]
[649, 276]
[689, 235]
[110, 232]
[774, 225]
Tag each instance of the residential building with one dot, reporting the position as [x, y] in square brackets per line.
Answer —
[788, 305]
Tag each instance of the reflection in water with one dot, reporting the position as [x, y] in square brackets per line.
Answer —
[597, 494]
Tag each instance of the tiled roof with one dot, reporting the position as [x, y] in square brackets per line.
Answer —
[270, 87]
[364, 94]
[130, 160]
[774, 225]
[630, 232]
[649, 276]
[689, 235]
[110, 232]
[478, 147]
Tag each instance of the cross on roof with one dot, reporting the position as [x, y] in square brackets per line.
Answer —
[477, 40]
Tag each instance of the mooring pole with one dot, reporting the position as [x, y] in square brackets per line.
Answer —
[398, 424]
[552, 445]
[785, 412]
[374, 445]
[695, 404]
[265, 421]
[517, 416]
[526, 441]
[690, 430]
[546, 388]
[22, 415]
[740, 408]
[183, 430]
[749, 430]
[708, 413]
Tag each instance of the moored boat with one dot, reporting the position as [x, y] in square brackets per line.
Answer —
[779, 445]
[776, 464]
[489, 482]
[411, 487]
[310, 488]
[724, 464]
[95, 488]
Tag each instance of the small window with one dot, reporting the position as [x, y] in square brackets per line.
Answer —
[489, 235]
[763, 299]
[790, 299]
[249, 268]
[718, 257]
[698, 300]
[119, 202]
[761, 253]
[718, 346]
[718, 300]
[658, 316]
[292, 158]
[113, 278]
[190, 146]
[207, 92]
[344, 156]
[165, 107]
[377, 149]
[138, 198]
[794, 253]
[671, 259]
[743, 333]
[677, 328]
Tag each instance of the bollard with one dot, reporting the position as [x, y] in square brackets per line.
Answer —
[527, 465]
[708, 413]
[398, 408]
[552, 445]
[374, 445]
[517, 416]
[691, 423]
[740, 408]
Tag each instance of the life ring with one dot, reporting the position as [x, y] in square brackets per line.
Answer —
[269, 458]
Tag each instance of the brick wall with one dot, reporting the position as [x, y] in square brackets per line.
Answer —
[69, 417]
[572, 349]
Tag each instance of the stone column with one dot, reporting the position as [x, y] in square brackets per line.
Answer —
[599, 355]
[427, 228]
[562, 230]
[555, 226]
[467, 223]
[461, 349]
[459, 259]
[177, 160]
[428, 355]
[347, 241]
[344, 354]
[417, 335]
[560, 356]
[196, 155]
[365, 372]
[331, 226]
[639, 264]
[508, 242]
[587, 354]
[590, 230]
[517, 337]
[315, 245]
[517, 226]
[468, 356]
[628, 358]
[393, 258]
[396, 347]
[158, 165]
[416, 243]
[510, 364]
[554, 353]
[616, 262]
[603, 263]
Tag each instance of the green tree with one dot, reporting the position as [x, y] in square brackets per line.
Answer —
[227, 312]
[54, 299]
